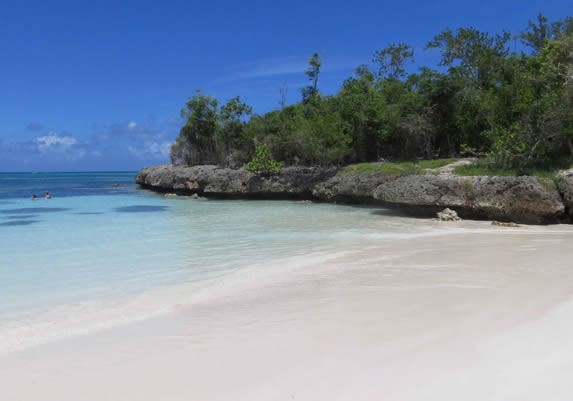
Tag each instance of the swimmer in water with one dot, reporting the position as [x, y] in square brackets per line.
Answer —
[47, 196]
[34, 197]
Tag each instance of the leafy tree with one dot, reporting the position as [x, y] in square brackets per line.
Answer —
[324, 139]
[361, 105]
[440, 91]
[392, 59]
[538, 33]
[196, 138]
[231, 142]
[471, 54]
[312, 72]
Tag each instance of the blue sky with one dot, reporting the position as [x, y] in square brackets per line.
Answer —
[99, 85]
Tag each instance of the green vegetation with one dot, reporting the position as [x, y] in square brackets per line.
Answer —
[397, 168]
[263, 162]
[514, 109]
[542, 170]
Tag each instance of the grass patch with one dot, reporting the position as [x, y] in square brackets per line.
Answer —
[548, 170]
[398, 168]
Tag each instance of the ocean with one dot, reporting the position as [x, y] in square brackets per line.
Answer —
[102, 252]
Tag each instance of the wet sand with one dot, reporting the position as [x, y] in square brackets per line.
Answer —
[482, 313]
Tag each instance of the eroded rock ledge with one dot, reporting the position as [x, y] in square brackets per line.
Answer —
[215, 181]
[527, 200]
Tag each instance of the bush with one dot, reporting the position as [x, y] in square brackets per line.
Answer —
[263, 162]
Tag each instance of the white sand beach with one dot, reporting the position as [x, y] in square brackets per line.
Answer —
[483, 313]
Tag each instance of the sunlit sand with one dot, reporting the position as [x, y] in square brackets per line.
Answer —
[484, 315]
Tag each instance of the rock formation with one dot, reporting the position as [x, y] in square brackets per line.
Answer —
[565, 184]
[522, 199]
[293, 182]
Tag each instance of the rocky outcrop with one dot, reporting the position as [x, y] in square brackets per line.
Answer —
[293, 182]
[349, 187]
[565, 184]
[521, 199]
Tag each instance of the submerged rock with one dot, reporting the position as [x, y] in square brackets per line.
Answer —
[504, 224]
[447, 215]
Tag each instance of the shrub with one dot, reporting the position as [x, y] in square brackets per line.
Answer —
[263, 162]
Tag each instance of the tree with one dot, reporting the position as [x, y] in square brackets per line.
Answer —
[391, 60]
[231, 142]
[312, 72]
[538, 33]
[361, 105]
[283, 90]
[471, 54]
[197, 137]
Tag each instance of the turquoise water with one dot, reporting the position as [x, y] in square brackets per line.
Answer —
[102, 243]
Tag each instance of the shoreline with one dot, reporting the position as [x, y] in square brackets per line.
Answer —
[62, 322]
[434, 317]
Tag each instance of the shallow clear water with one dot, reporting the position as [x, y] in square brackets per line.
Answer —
[100, 239]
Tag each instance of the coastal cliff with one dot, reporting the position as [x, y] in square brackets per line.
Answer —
[522, 199]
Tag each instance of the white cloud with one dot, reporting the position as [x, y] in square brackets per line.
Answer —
[131, 124]
[53, 141]
[156, 150]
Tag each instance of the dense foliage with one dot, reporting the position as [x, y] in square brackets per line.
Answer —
[514, 107]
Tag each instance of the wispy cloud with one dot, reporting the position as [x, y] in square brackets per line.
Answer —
[281, 67]
[269, 68]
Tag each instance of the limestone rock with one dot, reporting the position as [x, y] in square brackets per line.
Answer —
[352, 187]
[565, 184]
[215, 180]
[520, 199]
[447, 215]
[527, 200]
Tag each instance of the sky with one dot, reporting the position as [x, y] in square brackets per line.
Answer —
[99, 85]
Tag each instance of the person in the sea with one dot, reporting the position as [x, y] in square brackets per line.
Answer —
[47, 196]
[34, 197]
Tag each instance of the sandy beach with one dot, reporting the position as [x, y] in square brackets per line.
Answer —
[478, 313]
